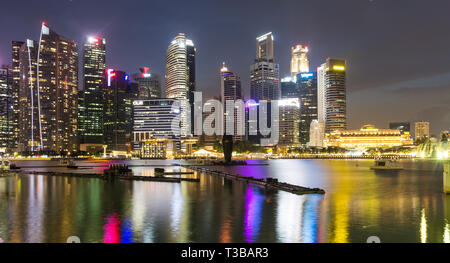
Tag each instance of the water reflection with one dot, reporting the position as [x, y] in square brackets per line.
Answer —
[112, 229]
[423, 228]
[289, 218]
[404, 207]
[254, 201]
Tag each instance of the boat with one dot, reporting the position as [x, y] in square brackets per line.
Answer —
[386, 165]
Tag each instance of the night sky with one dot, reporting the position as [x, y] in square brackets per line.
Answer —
[397, 51]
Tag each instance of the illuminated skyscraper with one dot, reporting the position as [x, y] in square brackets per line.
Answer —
[299, 60]
[332, 95]
[52, 94]
[422, 130]
[308, 104]
[180, 76]
[289, 122]
[290, 88]
[117, 116]
[28, 122]
[16, 45]
[265, 73]
[152, 120]
[91, 97]
[231, 90]
[6, 109]
[148, 84]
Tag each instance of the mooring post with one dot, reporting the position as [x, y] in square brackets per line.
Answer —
[447, 177]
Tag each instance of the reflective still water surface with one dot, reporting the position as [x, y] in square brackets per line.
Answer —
[407, 206]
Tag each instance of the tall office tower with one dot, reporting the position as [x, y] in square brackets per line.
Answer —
[321, 91]
[152, 126]
[308, 104]
[265, 73]
[231, 90]
[148, 85]
[16, 45]
[299, 60]
[91, 97]
[422, 130]
[290, 88]
[402, 126]
[6, 109]
[332, 95]
[54, 93]
[289, 122]
[180, 77]
[28, 122]
[117, 116]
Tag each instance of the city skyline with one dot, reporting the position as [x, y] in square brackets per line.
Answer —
[411, 91]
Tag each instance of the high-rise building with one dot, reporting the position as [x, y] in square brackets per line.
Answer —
[29, 139]
[402, 126]
[148, 84]
[117, 116]
[308, 104]
[289, 122]
[49, 100]
[289, 88]
[332, 95]
[180, 77]
[316, 134]
[422, 130]
[16, 45]
[91, 96]
[231, 91]
[152, 121]
[265, 73]
[6, 109]
[299, 60]
[321, 91]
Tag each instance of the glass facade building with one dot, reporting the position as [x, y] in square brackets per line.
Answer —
[180, 77]
[6, 110]
[265, 73]
[91, 96]
[289, 122]
[148, 84]
[308, 104]
[16, 45]
[153, 119]
[332, 94]
[117, 115]
[48, 94]
[231, 90]
[290, 88]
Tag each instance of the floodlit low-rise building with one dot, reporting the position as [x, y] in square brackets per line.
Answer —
[367, 137]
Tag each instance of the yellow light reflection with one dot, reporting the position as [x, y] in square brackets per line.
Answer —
[423, 228]
[447, 233]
